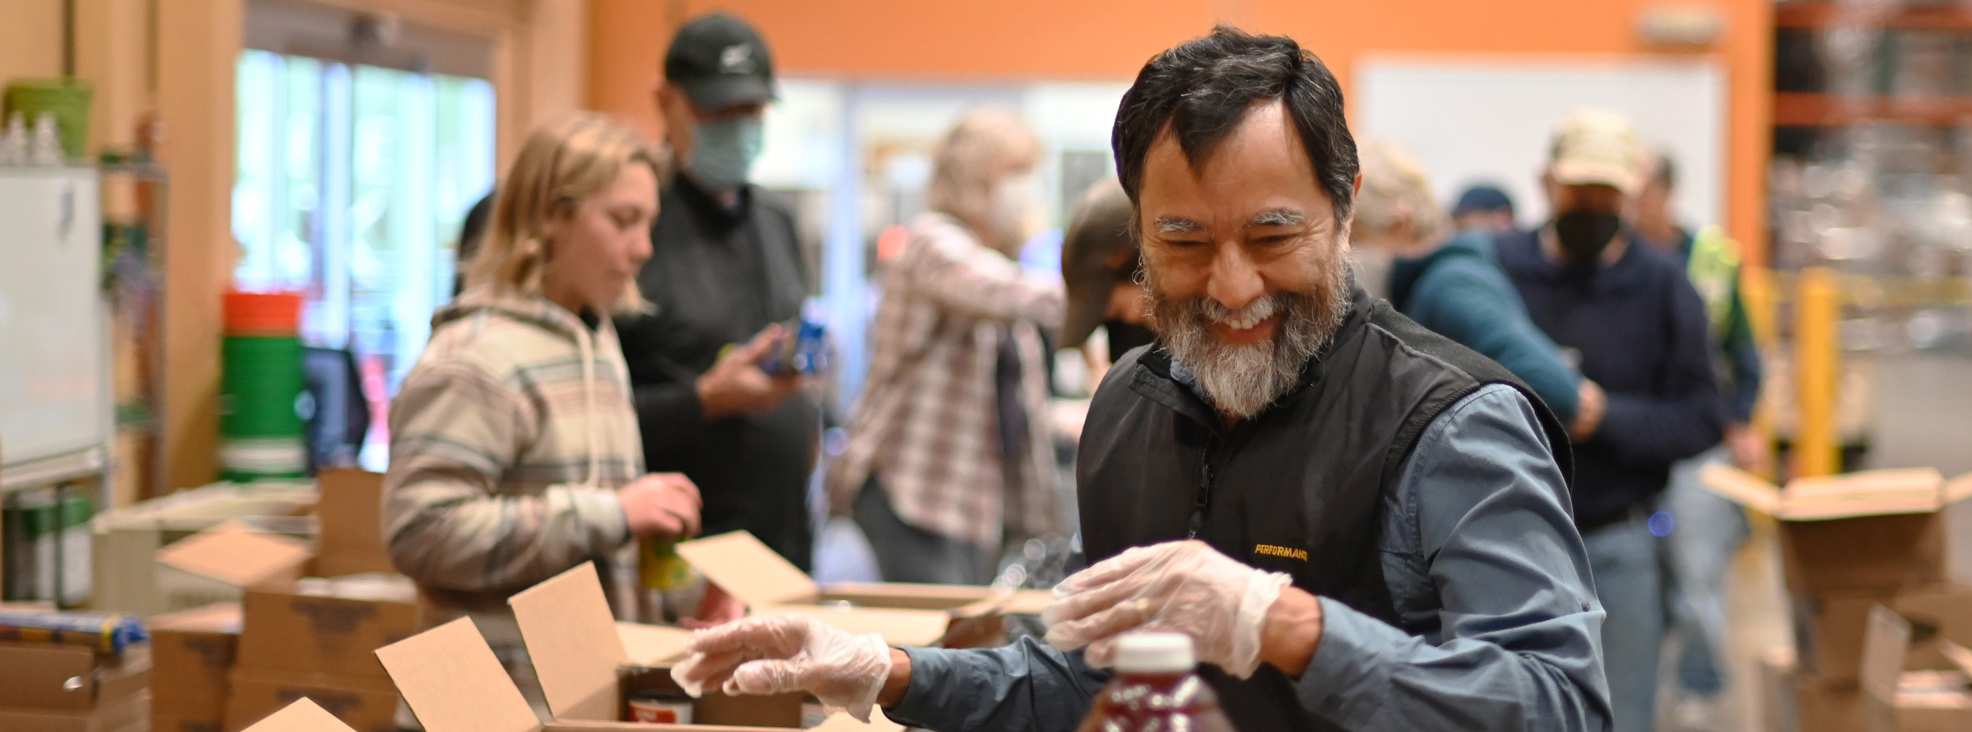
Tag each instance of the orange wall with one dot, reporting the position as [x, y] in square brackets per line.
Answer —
[910, 39]
[30, 40]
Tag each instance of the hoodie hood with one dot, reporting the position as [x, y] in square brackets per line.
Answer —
[534, 310]
[1406, 271]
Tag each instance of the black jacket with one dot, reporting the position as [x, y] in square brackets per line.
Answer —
[716, 277]
[1308, 473]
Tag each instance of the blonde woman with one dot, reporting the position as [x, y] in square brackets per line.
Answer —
[514, 452]
[949, 450]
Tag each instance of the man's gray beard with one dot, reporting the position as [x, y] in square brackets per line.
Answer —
[1243, 380]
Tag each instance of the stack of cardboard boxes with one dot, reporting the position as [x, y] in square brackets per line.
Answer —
[58, 688]
[1894, 539]
[305, 627]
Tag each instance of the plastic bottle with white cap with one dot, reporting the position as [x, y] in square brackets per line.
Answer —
[1155, 690]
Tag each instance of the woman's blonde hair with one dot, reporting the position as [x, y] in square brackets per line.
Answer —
[559, 165]
[976, 153]
[1395, 191]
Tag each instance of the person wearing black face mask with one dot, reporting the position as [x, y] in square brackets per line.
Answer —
[1099, 263]
[1634, 325]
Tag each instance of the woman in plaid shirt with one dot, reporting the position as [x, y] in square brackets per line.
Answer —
[948, 451]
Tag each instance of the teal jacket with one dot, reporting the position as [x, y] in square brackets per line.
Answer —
[1459, 291]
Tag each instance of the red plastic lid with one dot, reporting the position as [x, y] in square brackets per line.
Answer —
[262, 312]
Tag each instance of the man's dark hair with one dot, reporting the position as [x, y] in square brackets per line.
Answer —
[1667, 171]
[1203, 87]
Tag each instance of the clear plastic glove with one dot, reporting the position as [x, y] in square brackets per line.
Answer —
[779, 655]
[1183, 587]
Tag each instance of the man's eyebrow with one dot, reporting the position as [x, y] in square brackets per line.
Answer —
[1178, 225]
[1277, 217]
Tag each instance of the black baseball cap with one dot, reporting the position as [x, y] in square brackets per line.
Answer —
[720, 61]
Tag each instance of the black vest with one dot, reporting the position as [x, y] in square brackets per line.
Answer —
[1297, 489]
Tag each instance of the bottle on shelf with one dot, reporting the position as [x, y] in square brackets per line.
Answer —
[14, 141]
[46, 147]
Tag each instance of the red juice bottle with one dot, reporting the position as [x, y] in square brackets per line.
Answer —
[1154, 690]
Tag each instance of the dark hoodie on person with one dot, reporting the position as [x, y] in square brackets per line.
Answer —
[1459, 292]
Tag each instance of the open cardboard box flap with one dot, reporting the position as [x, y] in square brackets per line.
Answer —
[301, 716]
[1868, 493]
[238, 555]
[750, 571]
[898, 627]
[572, 638]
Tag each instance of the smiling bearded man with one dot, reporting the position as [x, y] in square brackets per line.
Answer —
[1359, 524]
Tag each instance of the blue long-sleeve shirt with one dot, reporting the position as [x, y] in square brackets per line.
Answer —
[1459, 291]
[1500, 626]
[1638, 330]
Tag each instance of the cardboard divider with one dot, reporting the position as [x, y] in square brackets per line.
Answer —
[454, 684]
[571, 637]
[350, 509]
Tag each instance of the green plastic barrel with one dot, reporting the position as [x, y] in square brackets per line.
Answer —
[261, 381]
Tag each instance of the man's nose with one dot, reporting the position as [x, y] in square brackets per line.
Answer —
[1235, 280]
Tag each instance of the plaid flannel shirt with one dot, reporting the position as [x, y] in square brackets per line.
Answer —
[927, 422]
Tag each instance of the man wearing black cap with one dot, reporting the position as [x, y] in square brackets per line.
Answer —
[725, 268]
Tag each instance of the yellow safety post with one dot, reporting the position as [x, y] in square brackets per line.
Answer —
[1817, 356]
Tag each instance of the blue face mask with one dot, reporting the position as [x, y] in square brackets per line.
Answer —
[724, 151]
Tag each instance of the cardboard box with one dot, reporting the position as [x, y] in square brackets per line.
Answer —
[1929, 697]
[1828, 629]
[123, 716]
[351, 515]
[69, 678]
[328, 626]
[126, 541]
[168, 723]
[365, 704]
[301, 716]
[192, 654]
[1897, 691]
[311, 625]
[452, 681]
[916, 615]
[1876, 531]
[579, 657]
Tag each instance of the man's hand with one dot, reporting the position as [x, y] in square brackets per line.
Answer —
[737, 385]
[1184, 587]
[1589, 410]
[1748, 449]
[784, 654]
[661, 504]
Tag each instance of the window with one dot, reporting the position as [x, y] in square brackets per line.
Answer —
[352, 181]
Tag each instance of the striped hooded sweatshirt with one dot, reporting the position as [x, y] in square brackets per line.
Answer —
[508, 440]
